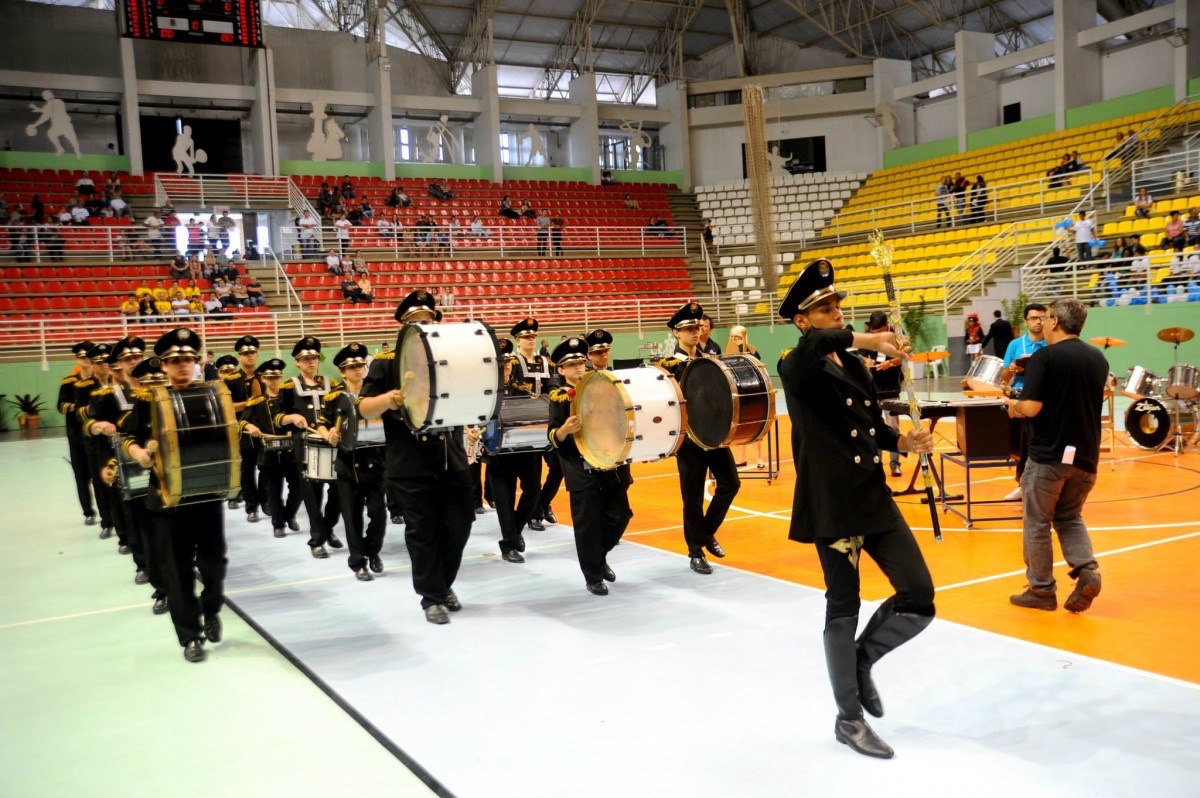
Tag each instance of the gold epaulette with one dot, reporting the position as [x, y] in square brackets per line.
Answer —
[257, 400]
[388, 355]
[231, 377]
[102, 391]
[331, 396]
[143, 394]
[288, 385]
[783, 354]
[523, 386]
[669, 362]
[68, 380]
[560, 395]
[84, 382]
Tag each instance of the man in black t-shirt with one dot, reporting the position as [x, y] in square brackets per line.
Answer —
[1063, 395]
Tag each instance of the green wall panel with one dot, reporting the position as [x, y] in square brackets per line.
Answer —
[326, 168]
[1003, 134]
[1120, 106]
[674, 177]
[904, 156]
[48, 160]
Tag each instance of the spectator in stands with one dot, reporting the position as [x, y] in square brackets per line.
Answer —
[366, 292]
[241, 297]
[707, 233]
[557, 224]
[347, 188]
[223, 291]
[85, 187]
[979, 199]
[544, 350]
[190, 291]
[143, 290]
[959, 189]
[1143, 203]
[1139, 269]
[254, 291]
[179, 304]
[944, 188]
[162, 307]
[162, 291]
[350, 289]
[195, 236]
[226, 223]
[333, 263]
[122, 245]
[79, 213]
[398, 198]
[180, 267]
[37, 211]
[606, 178]
[211, 303]
[438, 191]
[341, 228]
[118, 206]
[506, 208]
[527, 210]
[52, 240]
[1191, 227]
[324, 199]
[477, 228]
[212, 266]
[631, 203]
[1173, 233]
[1085, 233]
[1055, 263]
[146, 309]
[383, 227]
[542, 218]
[310, 234]
[1117, 147]
[366, 210]
[1057, 174]
[658, 227]
[64, 214]
[355, 216]
[5, 214]
[130, 307]
[213, 231]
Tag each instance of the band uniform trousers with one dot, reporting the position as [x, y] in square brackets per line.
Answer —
[895, 552]
[249, 479]
[141, 523]
[504, 472]
[79, 467]
[320, 522]
[392, 494]
[600, 512]
[694, 464]
[275, 475]
[360, 486]
[108, 499]
[551, 485]
[187, 539]
[437, 524]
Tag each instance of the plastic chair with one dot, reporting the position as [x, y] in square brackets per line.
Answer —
[939, 368]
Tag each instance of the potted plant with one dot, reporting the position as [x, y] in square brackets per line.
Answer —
[29, 409]
[912, 320]
[1014, 311]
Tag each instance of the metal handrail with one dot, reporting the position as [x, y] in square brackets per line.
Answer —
[233, 190]
[1154, 136]
[282, 278]
[1174, 172]
[1108, 281]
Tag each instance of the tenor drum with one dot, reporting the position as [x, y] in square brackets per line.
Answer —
[456, 374]
[986, 373]
[198, 457]
[629, 416]
[1182, 382]
[1140, 382]
[319, 455]
[730, 400]
[522, 425]
[133, 479]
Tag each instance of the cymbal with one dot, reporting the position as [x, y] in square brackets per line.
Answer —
[1176, 335]
[1105, 341]
[928, 357]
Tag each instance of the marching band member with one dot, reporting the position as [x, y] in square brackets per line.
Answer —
[190, 538]
[599, 350]
[599, 502]
[276, 464]
[299, 407]
[842, 502]
[98, 448]
[243, 386]
[430, 471]
[144, 375]
[358, 465]
[538, 371]
[505, 470]
[75, 443]
[699, 527]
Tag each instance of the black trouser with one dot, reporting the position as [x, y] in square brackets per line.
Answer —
[1023, 455]
[504, 471]
[694, 464]
[554, 480]
[477, 483]
[600, 512]
[362, 489]
[542, 239]
[281, 511]
[320, 522]
[392, 494]
[899, 557]
[187, 538]
[250, 479]
[79, 467]
[107, 497]
[142, 530]
[437, 524]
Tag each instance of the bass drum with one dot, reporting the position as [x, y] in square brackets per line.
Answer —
[451, 374]
[523, 425]
[731, 400]
[985, 374]
[629, 416]
[198, 457]
[1150, 422]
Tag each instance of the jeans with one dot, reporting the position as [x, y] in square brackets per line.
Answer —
[1054, 494]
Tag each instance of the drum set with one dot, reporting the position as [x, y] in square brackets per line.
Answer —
[1165, 409]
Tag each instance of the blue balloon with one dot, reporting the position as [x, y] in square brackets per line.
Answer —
[1101, 244]
[1064, 224]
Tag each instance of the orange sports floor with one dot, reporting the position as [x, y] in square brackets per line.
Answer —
[1144, 519]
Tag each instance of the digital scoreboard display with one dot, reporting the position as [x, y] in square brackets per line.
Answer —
[234, 22]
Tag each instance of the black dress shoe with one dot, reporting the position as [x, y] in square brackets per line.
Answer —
[714, 548]
[375, 563]
[396, 519]
[512, 555]
[160, 605]
[252, 516]
[141, 577]
[862, 738]
[280, 532]
[194, 651]
[597, 588]
[89, 520]
[701, 566]
[452, 603]
[896, 472]
[550, 517]
[536, 525]
[480, 511]
[318, 552]
[435, 613]
[234, 504]
[609, 574]
[520, 544]
[213, 628]
[334, 541]
[123, 549]
[293, 525]
[491, 504]
[106, 532]
[363, 575]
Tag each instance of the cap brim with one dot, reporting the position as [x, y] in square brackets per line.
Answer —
[818, 296]
[352, 361]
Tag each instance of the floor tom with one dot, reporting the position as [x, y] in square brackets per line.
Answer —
[522, 425]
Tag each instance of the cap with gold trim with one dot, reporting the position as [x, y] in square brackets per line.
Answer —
[149, 372]
[569, 351]
[98, 353]
[814, 284]
[599, 340]
[306, 346]
[227, 364]
[271, 368]
[354, 354]
[525, 327]
[506, 349]
[130, 346]
[81, 349]
[247, 343]
[419, 301]
[180, 342]
[687, 316]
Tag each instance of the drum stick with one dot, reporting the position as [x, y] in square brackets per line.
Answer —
[408, 375]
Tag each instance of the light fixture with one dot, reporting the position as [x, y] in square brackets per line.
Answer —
[1177, 37]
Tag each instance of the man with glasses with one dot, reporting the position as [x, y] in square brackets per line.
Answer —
[1014, 378]
[1062, 399]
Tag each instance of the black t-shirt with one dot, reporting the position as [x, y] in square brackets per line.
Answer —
[1068, 379]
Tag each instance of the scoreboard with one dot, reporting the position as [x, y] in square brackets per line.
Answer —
[233, 22]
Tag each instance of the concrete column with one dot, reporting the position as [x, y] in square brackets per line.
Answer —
[379, 117]
[889, 75]
[978, 99]
[485, 87]
[1187, 58]
[264, 131]
[131, 127]
[1076, 69]
[583, 141]
[674, 135]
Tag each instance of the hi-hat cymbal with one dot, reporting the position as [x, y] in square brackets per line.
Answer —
[928, 357]
[1105, 341]
[1176, 335]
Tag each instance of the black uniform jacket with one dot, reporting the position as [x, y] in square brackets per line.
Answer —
[837, 437]
[339, 408]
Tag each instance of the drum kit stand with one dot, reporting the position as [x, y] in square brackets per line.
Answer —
[1154, 420]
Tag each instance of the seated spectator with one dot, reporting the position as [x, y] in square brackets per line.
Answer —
[241, 297]
[658, 227]
[398, 198]
[80, 214]
[333, 263]
[1117, 147]
[190, 291]
[37, 211]
[355, 217]
[1173, 233]
[324, 199]
[179, 304]
[112, 186]
[180, 267]
[1057, 174]
[196, 308]
[211, 303]
[606, 178]
[506, 208]
[1184, 270]
[383, 227]
[1143, 204]
[477, 228]
[527, 210]
[163, 308]
[64, 215]
[209, 268]
[438, 191]
[347, 188]
[162, 291]
[1191, 227]
[366, 210]
[454, 229]
[631, 203]
[1075, 164]
[365, 292]
[130, 307]
[85, 187]
[118, 206]
[350, 289]
[1139, 267]
[143, 290]
[147, 310]
[254, 292]
[223, 291]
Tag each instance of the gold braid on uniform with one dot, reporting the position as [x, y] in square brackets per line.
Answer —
[850, 547]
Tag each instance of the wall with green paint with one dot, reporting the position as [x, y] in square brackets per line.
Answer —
[674, 177]
[903, 156]
[560, 173]
[327, 168]
[1120, 106]
[48, 160]
[1016, 131]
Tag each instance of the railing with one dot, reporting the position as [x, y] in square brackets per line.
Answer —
[972, 274]
[235, 191]
[1153, 279]
[298, 202]
[1156, 135]
[283, 284]
[1172, 173]
[51, 243]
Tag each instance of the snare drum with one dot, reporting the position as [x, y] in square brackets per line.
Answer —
[278, 443]
[730, 400]
[198, 458]
[1182, 382]
[133, 480]
[629, 416]
[985, 374]
[522, 425]
[1139, 382]
[319, 455]
[457, 375]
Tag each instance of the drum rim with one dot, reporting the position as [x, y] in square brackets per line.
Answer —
[498, 451]
[584, 450]
[759, 366]
[167, 458]
[497, 392]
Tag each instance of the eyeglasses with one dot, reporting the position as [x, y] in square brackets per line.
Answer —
[1035, 318]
